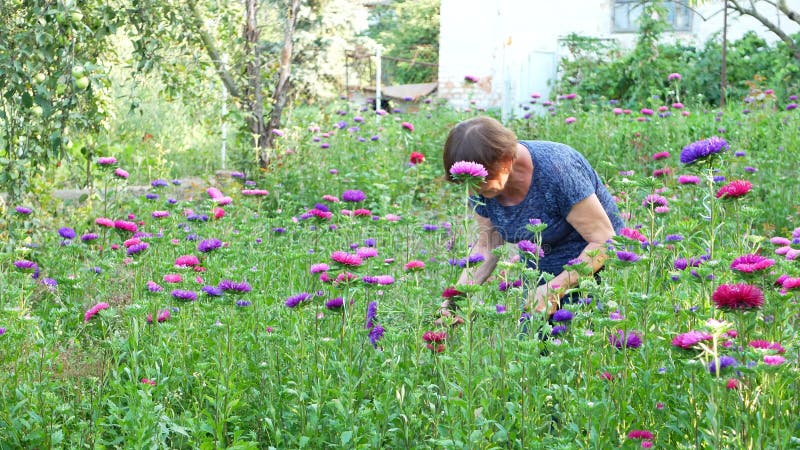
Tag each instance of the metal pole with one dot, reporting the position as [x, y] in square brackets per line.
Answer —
[224, 113]
[723, 70]
[378, 79]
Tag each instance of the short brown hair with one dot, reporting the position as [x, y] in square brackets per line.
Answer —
[481, 139]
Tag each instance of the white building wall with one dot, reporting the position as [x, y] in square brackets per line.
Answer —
[512, 46]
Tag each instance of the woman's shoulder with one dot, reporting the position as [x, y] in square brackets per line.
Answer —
[545, 153]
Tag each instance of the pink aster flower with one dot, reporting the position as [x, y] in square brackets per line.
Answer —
[751, 263]
[173, 278]
[414, 265]
[570, 119]
[760, 344]
[255, 192]
[366, 252]
[689, 179]
[630, 233]
[122, 174]
[407, 126]
[392, 218]
[330, 198]
[690, 339]
[106, 161]
[91, 312]
[774, 360]
[346, 259]
[187, 261]
[319, 268]
[104, 222]
[779, 240]
[468, 169]
[214, 193]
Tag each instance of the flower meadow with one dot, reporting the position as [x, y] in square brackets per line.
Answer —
[295, 307]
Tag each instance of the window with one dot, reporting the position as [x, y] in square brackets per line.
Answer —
[626, 15]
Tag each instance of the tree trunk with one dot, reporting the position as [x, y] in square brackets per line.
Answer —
[279, 95]
[253, 97]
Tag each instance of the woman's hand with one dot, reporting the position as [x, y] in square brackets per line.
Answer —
[544, 299]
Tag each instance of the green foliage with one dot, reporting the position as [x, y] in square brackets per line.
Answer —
[598, 70]
[51, 84]
[408, 30]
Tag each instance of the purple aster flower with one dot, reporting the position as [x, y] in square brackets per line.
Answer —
[462, 169]
[372, 311]
[137, 248]
[49, 282]
[654, 200]
[335, 303]
[298, 299]
[207, 245]
[529, 247]
[430, 227]
[673, 237]
[369, 242]
[279, 230]
[23, 210]
[242, 303]
[152, 286]
[2, 331]
[212, 291]
[24, 264]
[375, 335]
[151, 196]
[562, 315]
[724, 361]
[791, 106]
[184, 295]
[67, 233]
[558, 329]
[703, 149]
[159, 183]
[353, 196]
[627, 256]
[233, 286]
[622, 340]
[500, 309]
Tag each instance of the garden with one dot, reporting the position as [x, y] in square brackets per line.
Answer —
[295, 304]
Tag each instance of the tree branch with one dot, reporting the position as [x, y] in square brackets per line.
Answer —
[213, 53]
[792, 15]
[753, 12]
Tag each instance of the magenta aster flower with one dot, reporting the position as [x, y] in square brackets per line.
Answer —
[407, 126]
[673, 77]
[472, 79]
[640, 434]
[462, 169]
[125, 225]
[530, 248]
[738, 296]
[690, 339]
[735, 189]
[104, 222]
[121, 173]
[751, 263]
[91, 312]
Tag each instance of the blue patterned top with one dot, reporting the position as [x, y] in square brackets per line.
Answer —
[561, 178]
